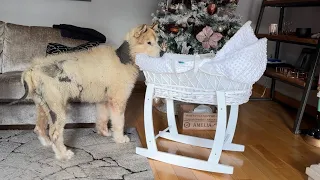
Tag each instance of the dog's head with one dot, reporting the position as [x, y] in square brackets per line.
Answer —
[143, 39]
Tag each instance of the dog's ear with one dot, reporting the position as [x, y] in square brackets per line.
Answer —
[140, 31]
[155, 26]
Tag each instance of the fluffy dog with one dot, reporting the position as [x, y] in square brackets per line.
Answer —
[101, 75]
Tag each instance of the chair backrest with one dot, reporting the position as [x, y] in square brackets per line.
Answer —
[304, 60]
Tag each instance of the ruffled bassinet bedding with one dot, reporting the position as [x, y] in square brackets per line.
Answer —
[195, 78]
[243, 59]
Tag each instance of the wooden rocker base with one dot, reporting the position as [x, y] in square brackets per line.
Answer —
[222, 141]
[200, 142]
[186, 162]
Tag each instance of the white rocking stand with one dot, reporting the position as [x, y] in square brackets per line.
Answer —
[223, 137]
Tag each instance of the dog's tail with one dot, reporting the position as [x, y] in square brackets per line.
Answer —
[26, 80]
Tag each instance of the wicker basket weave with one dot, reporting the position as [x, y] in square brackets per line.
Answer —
[197, 87]
[197, 78]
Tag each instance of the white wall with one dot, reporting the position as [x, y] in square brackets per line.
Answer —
[113, 18]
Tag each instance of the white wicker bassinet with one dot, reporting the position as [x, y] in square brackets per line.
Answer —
[222, 79]
[197, 78]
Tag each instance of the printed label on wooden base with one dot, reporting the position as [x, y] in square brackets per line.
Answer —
[189, 120]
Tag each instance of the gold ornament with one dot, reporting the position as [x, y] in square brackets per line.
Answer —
[220, 29]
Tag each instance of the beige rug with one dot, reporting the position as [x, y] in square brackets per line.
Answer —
[96, 157]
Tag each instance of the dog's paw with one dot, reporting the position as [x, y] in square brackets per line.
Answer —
[69, 154]
[121, 139]
[65, 156]
[45, 141]
[106, 133]
[102, 129]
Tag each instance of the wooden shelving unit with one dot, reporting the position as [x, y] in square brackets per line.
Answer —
[300, 83]
[307, 84]
[290, 39]
[292, 3]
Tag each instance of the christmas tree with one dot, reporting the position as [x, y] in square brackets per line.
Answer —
[196, 26]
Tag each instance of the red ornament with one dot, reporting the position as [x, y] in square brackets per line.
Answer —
[212, 8]
[174, 29]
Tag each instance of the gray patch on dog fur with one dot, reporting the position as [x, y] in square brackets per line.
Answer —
[61, 62]
[123, 52]
[56, 69]
[52, 70]
[64, 79]
[53, 116]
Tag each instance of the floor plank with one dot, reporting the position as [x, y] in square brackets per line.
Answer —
[165, 171]
[262, 164]
[247, 167]
[181, 172]
[154, 170]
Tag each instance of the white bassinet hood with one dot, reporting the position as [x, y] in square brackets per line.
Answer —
[243, 59]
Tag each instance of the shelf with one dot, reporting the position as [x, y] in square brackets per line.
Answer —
[291, 3]
[271, 72]
[290, 39]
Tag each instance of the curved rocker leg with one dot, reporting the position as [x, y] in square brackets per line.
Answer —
[187, 162]
[220, 130]
[171, 118]
[232, 123]
[148, 119]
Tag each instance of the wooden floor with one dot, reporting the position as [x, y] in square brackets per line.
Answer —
[264, 127]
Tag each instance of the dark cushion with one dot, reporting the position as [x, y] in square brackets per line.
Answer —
[56, 48]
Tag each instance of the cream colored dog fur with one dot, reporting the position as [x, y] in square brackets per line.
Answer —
[101, 75]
